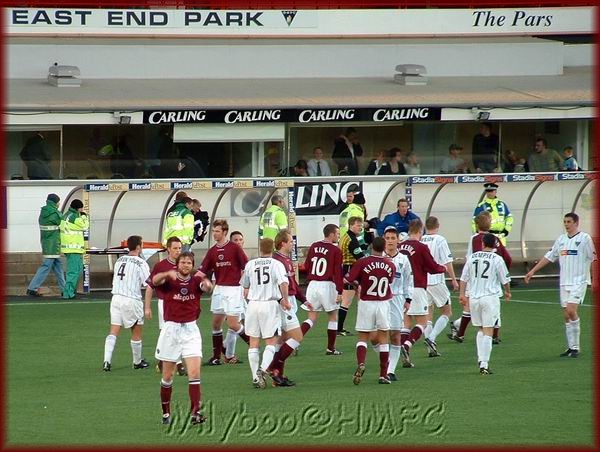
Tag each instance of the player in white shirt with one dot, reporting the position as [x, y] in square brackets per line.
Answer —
[126, 306]
[402, 290]
[576, 253]
[485, 272]
[438, 294]
[265, 284]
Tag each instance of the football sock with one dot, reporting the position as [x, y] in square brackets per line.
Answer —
[267, 357]
[331, 335]
[253, 358]
[361, 352]
[478, 340]
[194, 391]
[438, 327]
[384, 358]
[404, 333]
[486, 350]
[414, 336]
[495, 333]
[464, 322]
[109, 346]
[342, 313]
[575, 333]
[428, 328]
[375, 347]
[306, 325]
[136, 351]
[393, 359]
[284, 353]
[243, 336]
[569, 335]
[165, 395]
[217, 340]
[229, 343]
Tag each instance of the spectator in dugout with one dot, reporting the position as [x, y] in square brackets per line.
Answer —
[399, 219]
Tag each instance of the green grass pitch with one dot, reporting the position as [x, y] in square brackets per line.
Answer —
[58, 394]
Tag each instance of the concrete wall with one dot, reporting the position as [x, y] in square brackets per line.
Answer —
[30, 58]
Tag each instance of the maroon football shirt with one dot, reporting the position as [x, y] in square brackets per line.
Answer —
[227, 261]
[324, 263]
[163, 266]
[294, 288]
[421, 261]
[477, 245]
[375, 275]
[182, 299]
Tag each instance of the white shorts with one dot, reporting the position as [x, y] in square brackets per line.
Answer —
[227, 300]
[438, 294]
[242, 315]
[178, 340]
[161, 313]
[263, 319]
[572, 294]
[322, 295]
[373, 316]
[289, 319]
[419, 303]
[397, 313]
[485, 311]
[125, 311]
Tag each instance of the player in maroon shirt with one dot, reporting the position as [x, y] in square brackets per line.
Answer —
[292, 336]
[173, 252]
[180, 335]
[231, 338]
[374, 274]
[422, 263]
[458, 327]
[227, 261]
[325, 283]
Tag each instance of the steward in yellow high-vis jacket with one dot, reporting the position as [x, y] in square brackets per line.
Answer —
[72, 245]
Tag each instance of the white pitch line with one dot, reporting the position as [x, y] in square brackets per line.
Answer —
[54, 303]
[557, 303]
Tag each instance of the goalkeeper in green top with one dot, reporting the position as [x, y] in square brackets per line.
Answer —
[274, 219]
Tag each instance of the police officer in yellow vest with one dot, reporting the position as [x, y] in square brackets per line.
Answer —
[179, 223]
[72, 245]
[274, 219]
[502, 219]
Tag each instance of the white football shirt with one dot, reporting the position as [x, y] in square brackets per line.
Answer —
[485, 272]
[403, 283]
[262, 276]
[575, 255]
[130, 275]
[438, 246]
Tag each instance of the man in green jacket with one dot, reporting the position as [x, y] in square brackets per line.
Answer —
[274, 219]
[179, 223]
[72, 245]
[49, 222]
